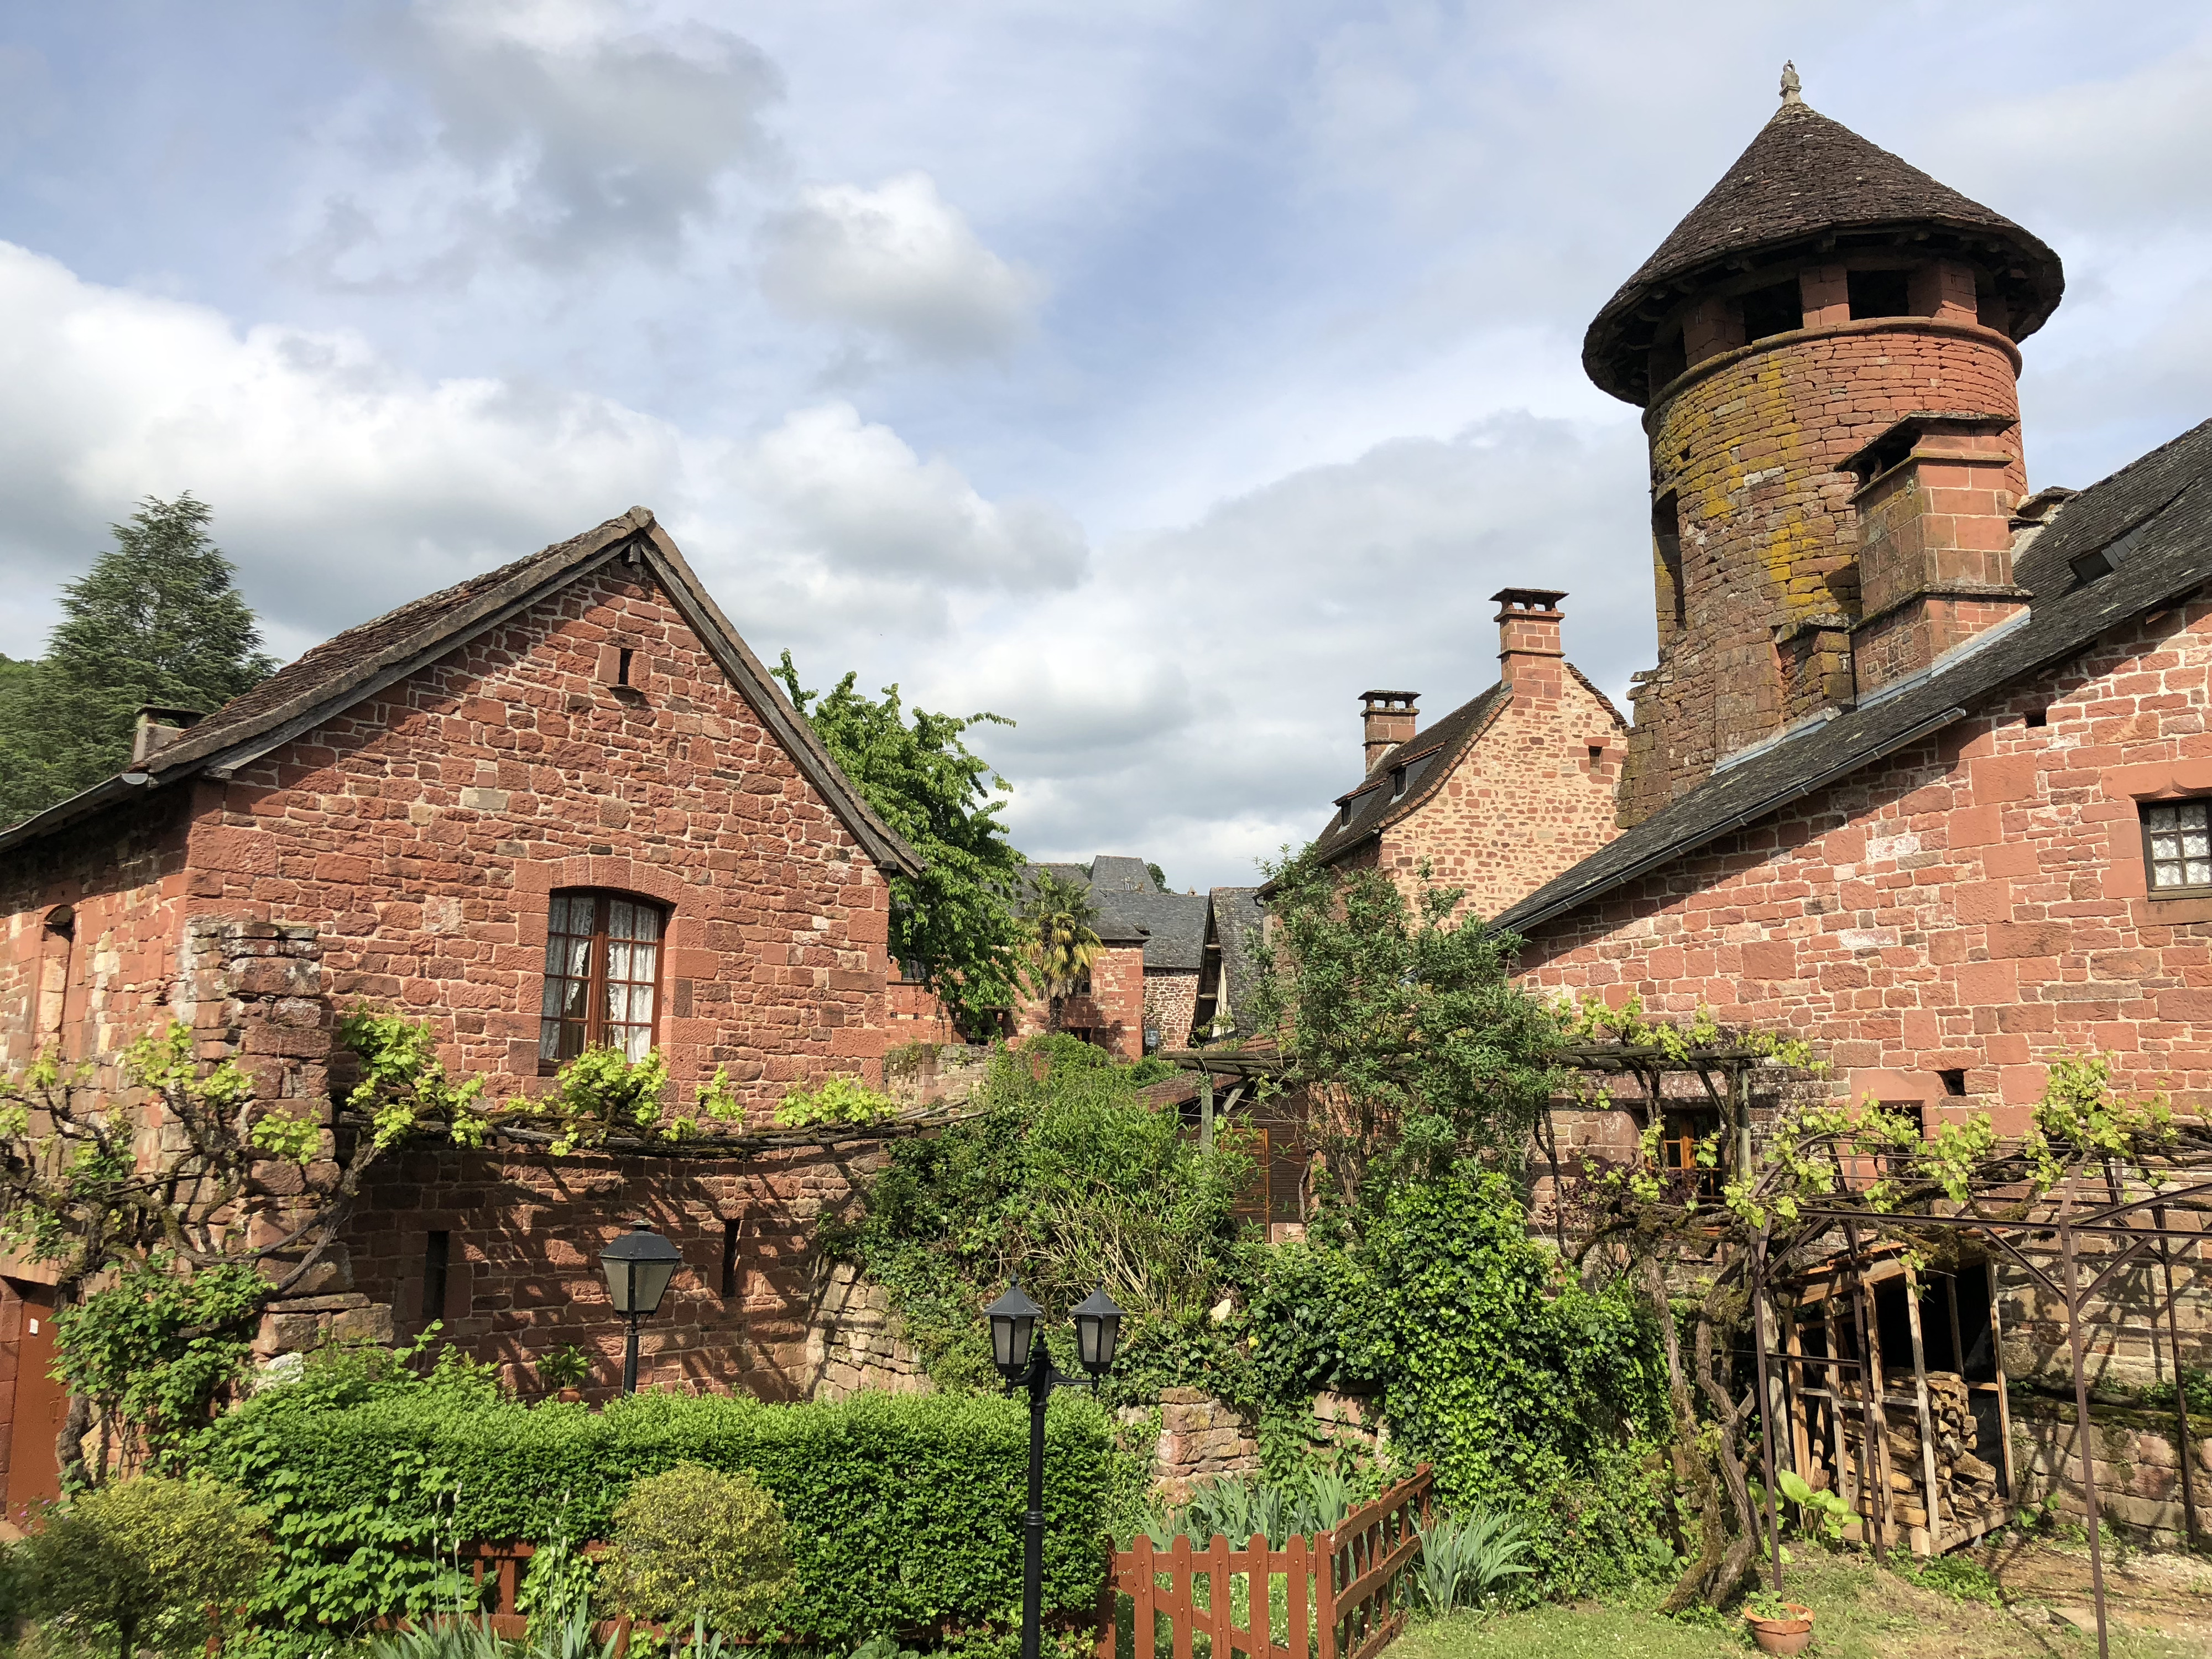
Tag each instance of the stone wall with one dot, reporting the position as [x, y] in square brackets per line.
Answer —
[1170, 1005]
[1111, 1013]
[1527, 798]
[1201, 1439]
[89, 948]
[522, 1277]
[855, 1341]
[2137, 1469]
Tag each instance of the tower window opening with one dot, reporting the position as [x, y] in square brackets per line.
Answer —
[1669, 357]
[1775, 309]
[1955, 1079]
[1879, 294]
[621, 668]
[1666, 539]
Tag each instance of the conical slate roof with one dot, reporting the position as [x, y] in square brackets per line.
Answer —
[1806, 181]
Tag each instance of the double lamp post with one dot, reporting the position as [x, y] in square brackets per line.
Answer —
[640, 1263]
[1026, 1362]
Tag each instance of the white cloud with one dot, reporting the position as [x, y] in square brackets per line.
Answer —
[854, 496]
[341, 485]
[553, 133]
[897, 260]
[344, 485]
[1194, 701]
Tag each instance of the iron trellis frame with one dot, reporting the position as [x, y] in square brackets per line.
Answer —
[2111, 1219]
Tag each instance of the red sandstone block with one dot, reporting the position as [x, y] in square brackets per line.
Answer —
[1986, 983]
[2021, 1085]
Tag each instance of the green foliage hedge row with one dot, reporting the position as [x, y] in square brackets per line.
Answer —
[904, 1511]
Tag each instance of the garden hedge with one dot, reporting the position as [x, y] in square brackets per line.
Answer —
[905, 1511]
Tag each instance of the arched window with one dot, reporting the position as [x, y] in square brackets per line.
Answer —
[602, 975]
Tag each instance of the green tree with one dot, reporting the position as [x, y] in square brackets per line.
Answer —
[1059, 930]
[1405, 1029]
[955, 920]
[155, 620]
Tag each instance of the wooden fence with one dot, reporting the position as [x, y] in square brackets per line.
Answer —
[1346, 1593]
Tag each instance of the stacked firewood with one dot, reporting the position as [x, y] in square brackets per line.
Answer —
[1966, 1485]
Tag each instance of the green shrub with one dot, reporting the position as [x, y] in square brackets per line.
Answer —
[143, 1564]
[695, 1543]
[1490, 1361]
[904, 1511]
[1071, 1177]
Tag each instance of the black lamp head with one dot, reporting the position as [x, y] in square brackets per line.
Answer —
[1098, 1332]
[1013, 1330]
[639, 1265]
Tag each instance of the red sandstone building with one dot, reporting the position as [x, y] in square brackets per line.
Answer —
[1504, 792]
[561, 803]
[1924, 773]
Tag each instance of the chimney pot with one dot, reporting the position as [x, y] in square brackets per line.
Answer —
[1529, 650]
[1387, 720]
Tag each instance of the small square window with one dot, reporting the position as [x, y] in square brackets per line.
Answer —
[2177, 846]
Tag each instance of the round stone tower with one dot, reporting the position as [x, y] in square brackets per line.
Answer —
[1826, 352]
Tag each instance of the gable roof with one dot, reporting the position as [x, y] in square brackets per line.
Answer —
[1428, 757]
[325, 682]
[2151, 520]
[1806, 180]
[1133, 909]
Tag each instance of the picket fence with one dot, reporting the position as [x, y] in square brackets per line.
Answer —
[1347, 1592]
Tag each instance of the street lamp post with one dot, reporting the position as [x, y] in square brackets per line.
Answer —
[638, 1265]
[1026, 1362]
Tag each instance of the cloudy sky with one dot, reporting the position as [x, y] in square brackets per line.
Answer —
[1160, 376]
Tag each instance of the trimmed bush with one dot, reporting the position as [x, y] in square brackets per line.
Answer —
[697, 1544]
[140, 1564]
[903, 1512]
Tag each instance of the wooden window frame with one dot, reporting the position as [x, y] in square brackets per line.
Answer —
[596, 1024]
[1700, 1123]
[2151, 889]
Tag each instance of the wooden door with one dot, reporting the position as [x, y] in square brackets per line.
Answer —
[34, 1473]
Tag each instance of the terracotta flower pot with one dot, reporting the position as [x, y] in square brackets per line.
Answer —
[1790, 1634]
[570, 1396]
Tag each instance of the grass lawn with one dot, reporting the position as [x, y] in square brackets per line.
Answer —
[1859, 1613]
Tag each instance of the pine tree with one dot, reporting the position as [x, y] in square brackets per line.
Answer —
[155, 620]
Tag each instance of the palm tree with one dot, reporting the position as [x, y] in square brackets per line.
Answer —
[1062, 942]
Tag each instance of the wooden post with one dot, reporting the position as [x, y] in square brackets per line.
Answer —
[1927, 1417]
[1141, 1587]
[1205, 1110]
[1851, 1472]
[1296, 1591]
[1325, 1593]
[1874, 1447]
[2004, 1403]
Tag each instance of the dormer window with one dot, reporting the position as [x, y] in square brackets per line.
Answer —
[1397, 783]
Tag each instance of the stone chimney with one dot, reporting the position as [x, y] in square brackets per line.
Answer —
[1387, 720]
[157, 728]
[1934, 503]
[1528, 653]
